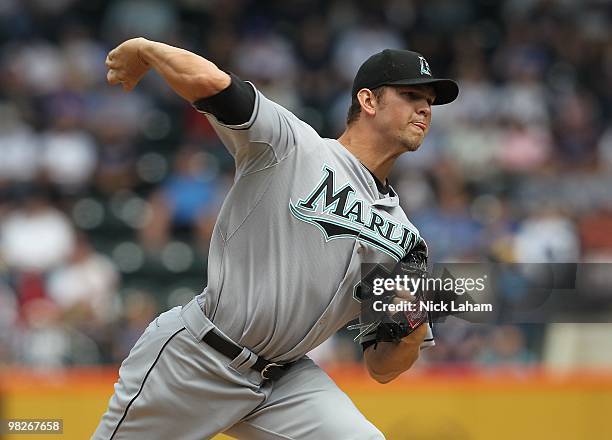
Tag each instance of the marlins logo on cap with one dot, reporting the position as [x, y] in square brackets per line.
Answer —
[424, 66]
[395, 67]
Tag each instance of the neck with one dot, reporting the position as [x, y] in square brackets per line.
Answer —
[379, 159]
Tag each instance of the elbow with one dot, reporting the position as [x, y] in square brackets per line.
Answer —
[380, 375]
[381, 379]
[207, 85]
[377, 371]
[384, 374]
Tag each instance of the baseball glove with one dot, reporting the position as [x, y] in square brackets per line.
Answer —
[392, 326]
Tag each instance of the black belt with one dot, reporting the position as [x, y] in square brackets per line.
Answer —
[268, 370]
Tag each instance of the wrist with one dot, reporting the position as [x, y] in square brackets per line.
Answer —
[143, 51]
[415, 338]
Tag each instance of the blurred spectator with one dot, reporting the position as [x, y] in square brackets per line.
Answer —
[416, 191]
[82, 59]
[266, 58]
[524, 147]
[19, 146]
[523, 99]
[450, 231]
[188, 200]
[85, 287]
[36, 236]
[39, 66]
[547, 237]
[506, 346]
[477, 93]
[576, 128]
[69, 153]
[148, 18]
[139, 309]
[44, 342]
[356, 44]
[115, 121]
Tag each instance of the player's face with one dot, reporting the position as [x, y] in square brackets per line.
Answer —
[404, 116]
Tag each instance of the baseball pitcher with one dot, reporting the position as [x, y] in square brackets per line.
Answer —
[302, 216]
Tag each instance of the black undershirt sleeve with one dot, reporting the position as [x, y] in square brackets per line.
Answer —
[232, 106]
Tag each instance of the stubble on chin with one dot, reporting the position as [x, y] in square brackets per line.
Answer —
[410, 140]
[411, 144]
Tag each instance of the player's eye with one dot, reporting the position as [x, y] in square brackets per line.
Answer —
[413, 96]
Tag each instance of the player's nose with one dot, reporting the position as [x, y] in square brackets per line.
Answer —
[424, 109]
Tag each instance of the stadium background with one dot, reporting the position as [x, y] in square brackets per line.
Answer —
[107, 199]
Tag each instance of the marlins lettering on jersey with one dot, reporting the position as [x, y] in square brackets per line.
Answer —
[339, 213]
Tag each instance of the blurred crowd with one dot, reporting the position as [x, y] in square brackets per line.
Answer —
[107, 199]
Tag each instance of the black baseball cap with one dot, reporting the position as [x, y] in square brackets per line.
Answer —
[395, 67]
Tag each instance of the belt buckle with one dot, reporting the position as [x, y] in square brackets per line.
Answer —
[265, 369]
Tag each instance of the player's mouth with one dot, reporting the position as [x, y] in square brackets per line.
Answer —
[421, 125]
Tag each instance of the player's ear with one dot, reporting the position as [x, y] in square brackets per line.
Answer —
[368, 101]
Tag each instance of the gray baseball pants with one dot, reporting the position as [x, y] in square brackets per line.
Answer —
[174, 386]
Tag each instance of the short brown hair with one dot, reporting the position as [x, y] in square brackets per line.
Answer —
[355, 108]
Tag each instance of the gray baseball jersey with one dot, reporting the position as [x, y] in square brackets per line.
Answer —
[285, 256]
[301, 217]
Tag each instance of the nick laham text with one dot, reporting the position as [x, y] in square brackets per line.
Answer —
[431, 306]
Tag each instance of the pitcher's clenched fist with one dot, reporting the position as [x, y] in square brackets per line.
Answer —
[189, 75]
[125, 64]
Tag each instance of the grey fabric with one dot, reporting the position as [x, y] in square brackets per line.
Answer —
[285, 257]
[305, 404]
[188, 391]
[181, 392]
[277, 282]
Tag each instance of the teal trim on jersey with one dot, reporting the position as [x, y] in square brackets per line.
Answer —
[385, 248]
[313, 221]
[358, 233]
[355, 290]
